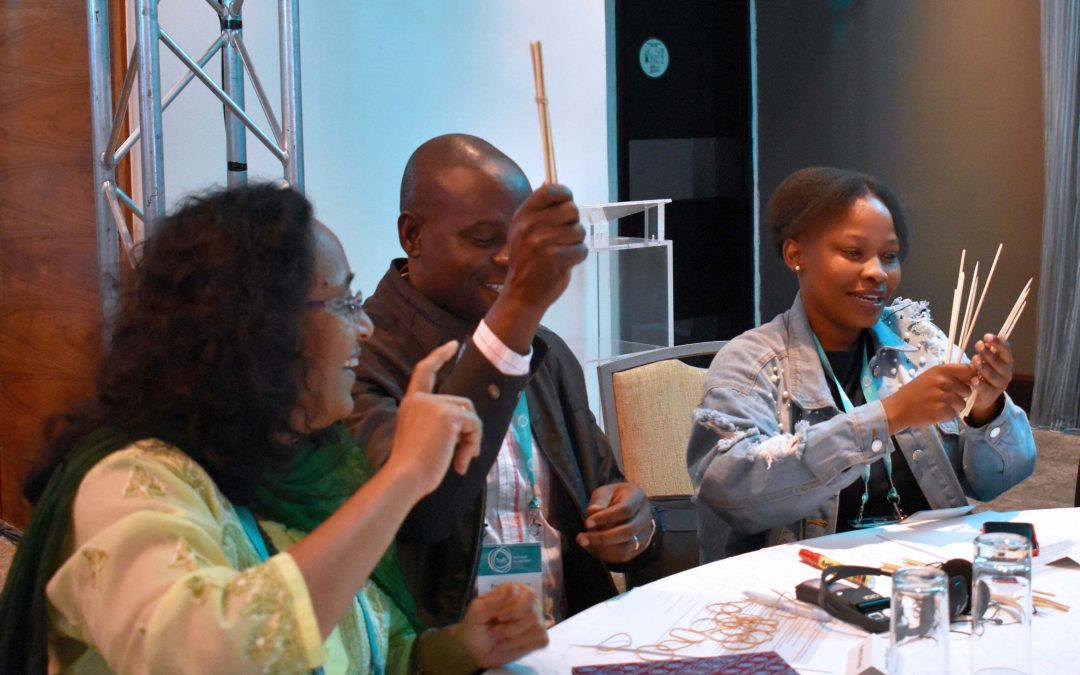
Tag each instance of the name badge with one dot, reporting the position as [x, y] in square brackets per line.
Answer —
[510, 563]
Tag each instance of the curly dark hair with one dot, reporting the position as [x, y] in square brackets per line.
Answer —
[205, 350]
[811, 197]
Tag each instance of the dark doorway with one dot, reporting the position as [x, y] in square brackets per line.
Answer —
[683, 112]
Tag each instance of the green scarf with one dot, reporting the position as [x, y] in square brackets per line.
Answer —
[24, 609]
[326, 471]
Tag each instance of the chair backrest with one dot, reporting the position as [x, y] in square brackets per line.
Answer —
[647, 401]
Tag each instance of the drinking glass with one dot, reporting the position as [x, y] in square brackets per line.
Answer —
[1001, 605]
[919, 622]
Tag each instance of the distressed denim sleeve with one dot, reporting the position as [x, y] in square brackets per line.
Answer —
[758, 476]
[1000, 454]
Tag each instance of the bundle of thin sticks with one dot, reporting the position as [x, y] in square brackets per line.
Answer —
[967, 326]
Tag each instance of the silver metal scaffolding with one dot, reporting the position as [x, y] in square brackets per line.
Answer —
[284, 140]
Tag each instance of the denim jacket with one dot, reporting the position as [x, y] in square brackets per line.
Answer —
[769, 451]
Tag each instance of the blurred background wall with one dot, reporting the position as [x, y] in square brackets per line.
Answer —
[940, 98]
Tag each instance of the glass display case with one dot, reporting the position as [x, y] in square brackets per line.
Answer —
[619, 300]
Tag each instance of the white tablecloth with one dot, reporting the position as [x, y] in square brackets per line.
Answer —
[646, 614]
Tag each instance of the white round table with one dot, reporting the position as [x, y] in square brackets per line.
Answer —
[646, 614]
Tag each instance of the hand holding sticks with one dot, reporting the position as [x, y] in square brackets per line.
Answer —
[967, 326]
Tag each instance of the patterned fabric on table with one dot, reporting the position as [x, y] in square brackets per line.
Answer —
[730, 664]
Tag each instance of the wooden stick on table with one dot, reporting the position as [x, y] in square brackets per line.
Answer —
[1039, 601]
[550, 176]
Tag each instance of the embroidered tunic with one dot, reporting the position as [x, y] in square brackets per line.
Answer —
[162, 578]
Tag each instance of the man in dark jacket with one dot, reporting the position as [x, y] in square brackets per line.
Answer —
[486, 257]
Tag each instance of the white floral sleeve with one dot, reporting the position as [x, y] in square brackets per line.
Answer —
[162, 579]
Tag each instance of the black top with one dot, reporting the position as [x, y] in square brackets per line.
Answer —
[438, 546]
[847, 365]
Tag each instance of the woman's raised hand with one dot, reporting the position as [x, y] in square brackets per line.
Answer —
[433, 429]
[936, 395]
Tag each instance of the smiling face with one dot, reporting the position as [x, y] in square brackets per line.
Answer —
[848, 268]
[456, 230]
[329, 340]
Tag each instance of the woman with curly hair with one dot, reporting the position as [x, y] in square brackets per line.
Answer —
[206, 512]
[840, 413]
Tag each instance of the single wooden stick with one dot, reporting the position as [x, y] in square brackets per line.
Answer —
[956, 299]
[969, 405]
[542, 110]
[965, 332]
[986, 287]
[1047, 602]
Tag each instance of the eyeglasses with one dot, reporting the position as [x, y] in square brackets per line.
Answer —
[353, 306]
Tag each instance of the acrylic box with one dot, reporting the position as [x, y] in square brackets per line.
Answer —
[619, 300]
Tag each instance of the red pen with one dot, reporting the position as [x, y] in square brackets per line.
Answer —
[821, 561]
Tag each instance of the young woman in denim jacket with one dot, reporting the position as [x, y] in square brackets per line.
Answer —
[840, 413]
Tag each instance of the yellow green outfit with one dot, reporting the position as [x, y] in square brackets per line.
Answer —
[158, 574]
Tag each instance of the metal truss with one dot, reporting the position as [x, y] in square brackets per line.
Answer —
[284, 140]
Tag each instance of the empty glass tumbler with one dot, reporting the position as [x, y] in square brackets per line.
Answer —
[919, 622]
[1001, 605]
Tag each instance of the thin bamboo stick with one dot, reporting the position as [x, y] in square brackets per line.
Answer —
[954, 315]
[550, 175]
[965, 331]
[986, 287]
[1015, 320]
[1047, 602]
[1010, 321]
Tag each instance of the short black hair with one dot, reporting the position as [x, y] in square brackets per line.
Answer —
[811, 197]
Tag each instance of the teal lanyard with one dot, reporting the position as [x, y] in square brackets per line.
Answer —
[870, 394]
[378, 659]
[523, 435]
[254, 535]
[251, 529]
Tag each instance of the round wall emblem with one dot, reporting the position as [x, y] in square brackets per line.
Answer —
[653, 57]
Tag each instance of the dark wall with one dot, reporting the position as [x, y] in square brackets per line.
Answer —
[686, 135]
[942, 100]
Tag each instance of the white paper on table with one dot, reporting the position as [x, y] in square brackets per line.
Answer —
[867, 657]
[938, 514]
[1057, 551]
